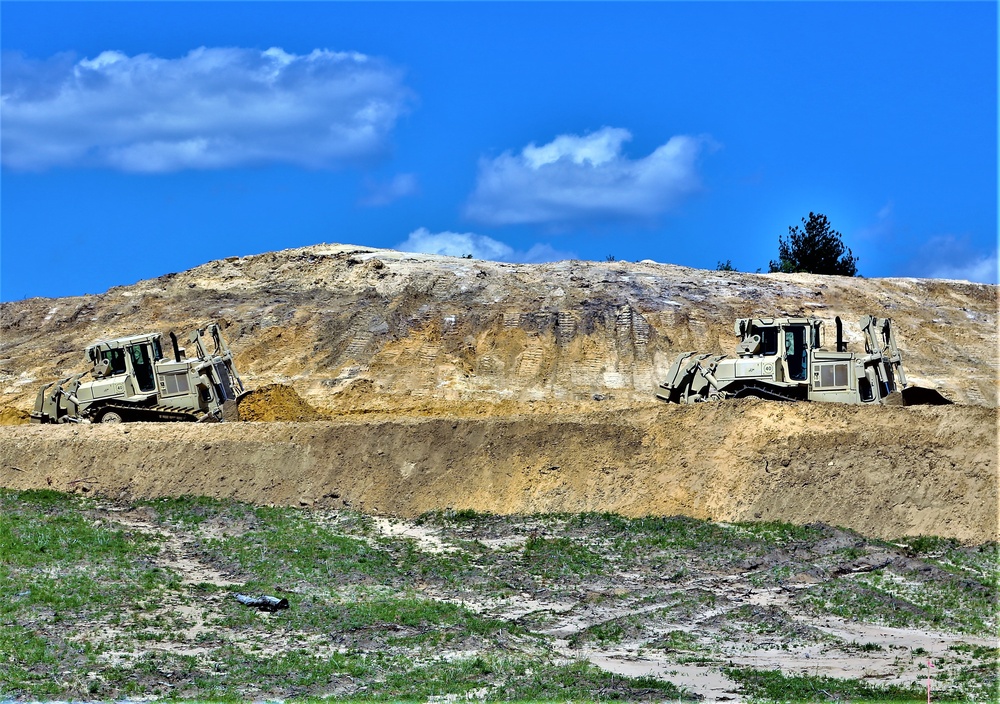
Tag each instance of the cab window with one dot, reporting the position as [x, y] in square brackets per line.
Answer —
[143, 367]
[117, 359]
[768, 339]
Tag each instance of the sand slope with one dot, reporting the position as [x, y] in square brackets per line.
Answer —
[360, 329]
[884, 472]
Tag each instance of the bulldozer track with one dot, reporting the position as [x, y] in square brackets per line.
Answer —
[135, 413]
[767, 392]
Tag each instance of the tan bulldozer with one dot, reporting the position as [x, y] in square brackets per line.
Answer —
[784, 359]
[134, 381]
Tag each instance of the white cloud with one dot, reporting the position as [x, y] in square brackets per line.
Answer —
[213, 108]
[576, 179]
[949, 257]
[982, 269]
[460, 244]
[596, 148]
[400, 186]
[455, 244]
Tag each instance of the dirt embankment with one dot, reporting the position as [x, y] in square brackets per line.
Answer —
[883, 471]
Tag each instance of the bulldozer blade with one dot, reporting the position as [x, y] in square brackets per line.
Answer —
[921, 396]
[231, 408]
[39, 415]
[894, 399]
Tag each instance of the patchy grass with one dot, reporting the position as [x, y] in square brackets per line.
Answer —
[520, 680]
[106, 602]
[61, 568]
[772, 685]
[290, 548]
[44, 528]
[776, 533]
[553, 558]
[961, 605]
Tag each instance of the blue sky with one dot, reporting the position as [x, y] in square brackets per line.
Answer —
[143, 138]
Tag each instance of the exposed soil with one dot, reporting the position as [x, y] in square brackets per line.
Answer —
[397, 384]
[882, 471]
[13, 416]
[275, 402]
[356, 329]
[454, 383]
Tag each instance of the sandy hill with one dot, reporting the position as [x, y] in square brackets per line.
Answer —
[363, 329]
[455, 383]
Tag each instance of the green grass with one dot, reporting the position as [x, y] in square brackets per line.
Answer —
[27, 659]
[669, 543]
[59, 569]
[607, 633]
[521, 680]
[773, 685]
[657, 532]
[678, 640]
[45, 527]
[194, 510]
[559, 557]
[286, 547]
[965, 606]
[406, 620]
[65, 570]
[777, 533]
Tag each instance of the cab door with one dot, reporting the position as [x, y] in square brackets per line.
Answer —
[142, 367]
[796, 352]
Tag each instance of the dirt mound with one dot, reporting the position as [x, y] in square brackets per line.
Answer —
[275, 403]
[13, 416]
[447, 382]
[885, 472]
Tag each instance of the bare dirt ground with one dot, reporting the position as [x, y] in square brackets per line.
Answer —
[885, 472]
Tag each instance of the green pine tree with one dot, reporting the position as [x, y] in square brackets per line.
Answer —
[815, 249]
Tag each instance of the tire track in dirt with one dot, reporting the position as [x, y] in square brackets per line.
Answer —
[179, 551]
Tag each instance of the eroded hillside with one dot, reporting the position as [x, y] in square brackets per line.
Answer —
[885, 472]
[356, 329]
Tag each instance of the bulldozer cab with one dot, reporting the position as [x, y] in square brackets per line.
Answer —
[789, 339]
[132, 356]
